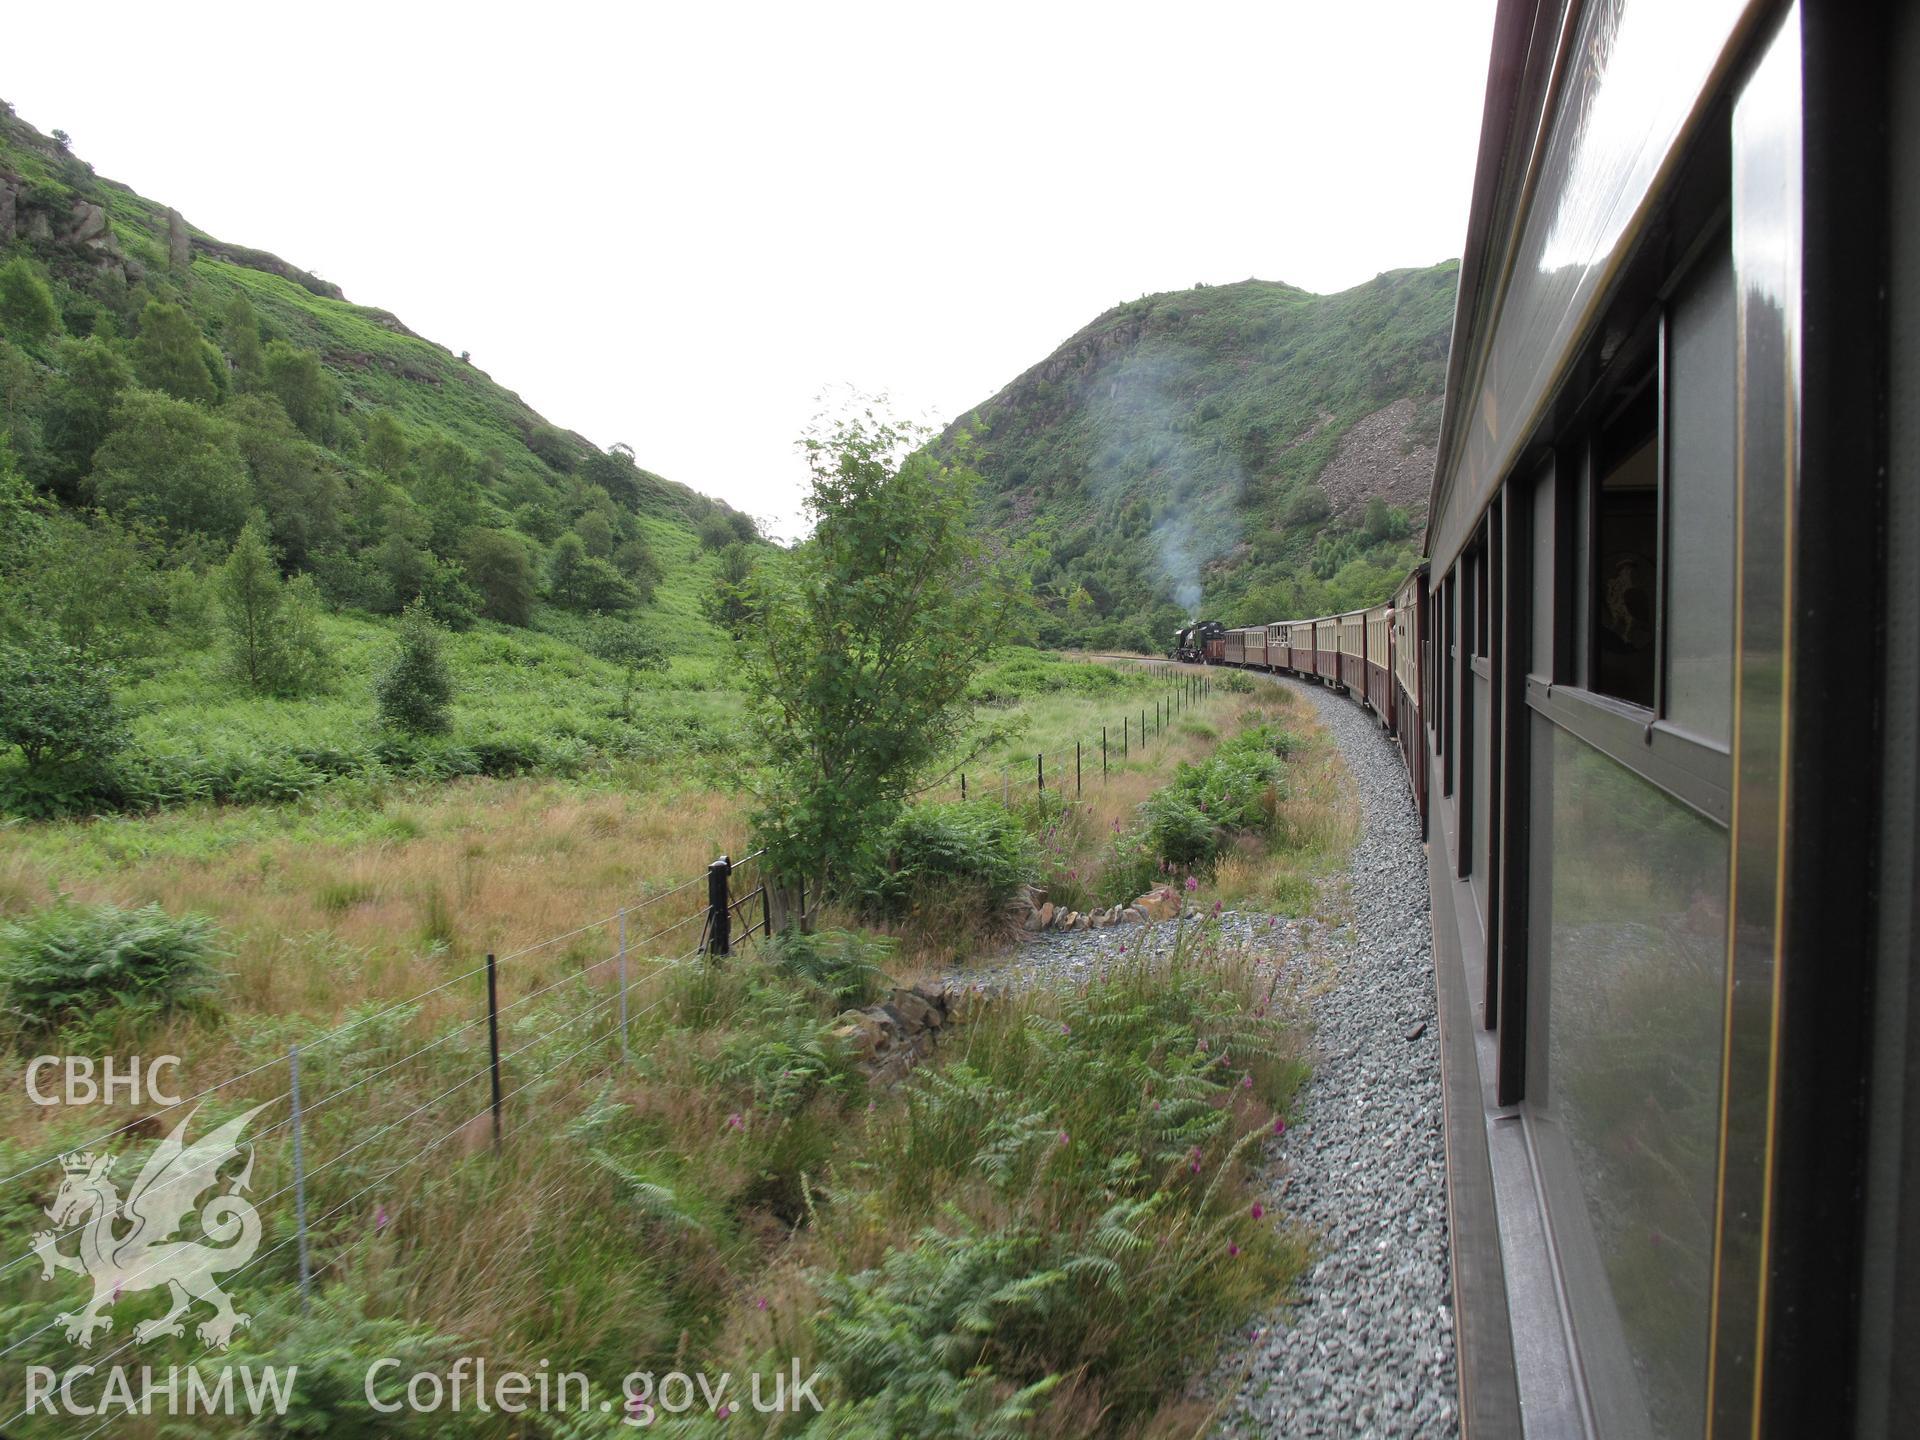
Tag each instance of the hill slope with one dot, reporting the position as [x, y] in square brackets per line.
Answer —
[1216, 450]
[108, 250]
[166, 397]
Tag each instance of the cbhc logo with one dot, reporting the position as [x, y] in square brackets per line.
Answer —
[83, 1081]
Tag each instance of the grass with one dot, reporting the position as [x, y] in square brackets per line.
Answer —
[733, 1194]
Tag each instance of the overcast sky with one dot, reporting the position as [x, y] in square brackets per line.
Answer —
[677, 225]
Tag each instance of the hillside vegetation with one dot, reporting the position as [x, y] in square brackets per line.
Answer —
[220, 481]
[1246, 451]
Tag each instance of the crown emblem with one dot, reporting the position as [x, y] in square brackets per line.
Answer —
[77, 1162]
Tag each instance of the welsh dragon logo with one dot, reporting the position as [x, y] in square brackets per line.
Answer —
[129, 1245]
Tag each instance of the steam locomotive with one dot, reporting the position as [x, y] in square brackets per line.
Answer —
[1201, 643]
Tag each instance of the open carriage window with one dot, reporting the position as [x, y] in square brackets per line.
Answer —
[1626, 545]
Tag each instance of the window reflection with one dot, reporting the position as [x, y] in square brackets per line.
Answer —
[1633, 886]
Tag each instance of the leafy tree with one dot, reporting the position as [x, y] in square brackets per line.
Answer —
[169, 354]
[26, 303]
[309, 393]
[172, 464]
[297, 483]
[868, 637]
[273, 640]
[240, 328]
[387, 448]
[498, 569]
[446, 484]
[596, 533]
[57, 705]
[91, 582]
[716, 533]
[578, 581]
[638, 566]
[415, 692]
[614, 471]
[730, 605]
[90, 379]
[634, 651]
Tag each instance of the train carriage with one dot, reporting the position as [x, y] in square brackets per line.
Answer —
[1409, 640]
[1300, 647]
[1326, 649]
[1672, 798]
[1378, 662]
[1351, 632]
[1234, 647]
[1256, 646]
[1673, 810]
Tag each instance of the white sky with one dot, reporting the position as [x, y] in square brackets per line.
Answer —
[676, 225]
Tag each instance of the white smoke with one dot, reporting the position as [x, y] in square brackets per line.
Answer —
[1139, 411]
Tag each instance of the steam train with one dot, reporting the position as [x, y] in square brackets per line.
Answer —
[1657, 683]
[1200, 643]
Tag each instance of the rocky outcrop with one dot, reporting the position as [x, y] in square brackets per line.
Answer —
[1380, 456]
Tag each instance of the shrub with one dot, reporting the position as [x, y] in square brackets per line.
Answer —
[75, 960]
[841, 965]
[933, 857]
[26, 304]
[56, 704]
[415, 692]
[1235, 791]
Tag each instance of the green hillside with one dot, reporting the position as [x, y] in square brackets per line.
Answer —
[169, 399]
[1246, 451]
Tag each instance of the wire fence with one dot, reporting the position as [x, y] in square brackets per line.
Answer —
[475, 1088]
[1069, 769]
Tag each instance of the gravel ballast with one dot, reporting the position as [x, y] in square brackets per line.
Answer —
[1366, 1348]
[1365, 1345]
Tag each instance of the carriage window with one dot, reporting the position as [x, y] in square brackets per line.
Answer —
[1626, 550]
[1700, 497]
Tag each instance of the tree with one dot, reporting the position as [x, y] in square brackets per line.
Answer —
[273, 641]
[634, 651]
[716, 533]
[415, 692]
[868, 636]
[596, 533]
[730, 605]
[579, 581]
[240, 328]
[172, 464]
[638, 565]
[498, 569]
[297, 483]
[57, 705]
[613, 470]
[79, 411]
[27, 310]
[387, 447]
[304, 387]
[169, 354]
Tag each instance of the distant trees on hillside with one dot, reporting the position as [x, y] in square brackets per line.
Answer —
[27, 311]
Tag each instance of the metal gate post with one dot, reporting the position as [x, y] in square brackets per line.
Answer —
[719, 918]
